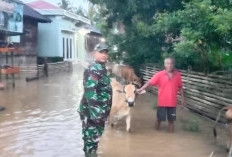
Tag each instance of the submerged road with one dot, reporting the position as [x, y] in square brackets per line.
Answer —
[40, 120]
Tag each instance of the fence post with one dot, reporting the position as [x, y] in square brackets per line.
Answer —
[45, 67]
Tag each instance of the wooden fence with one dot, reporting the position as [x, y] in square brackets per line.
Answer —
[34, 70]
[54, 68]
[204, 94]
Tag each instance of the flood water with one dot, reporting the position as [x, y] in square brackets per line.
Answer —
[40, 120]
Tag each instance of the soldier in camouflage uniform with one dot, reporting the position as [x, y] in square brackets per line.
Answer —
[96, 102]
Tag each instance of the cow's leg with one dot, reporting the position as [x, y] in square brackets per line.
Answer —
[128, 121]
[111, 120]
[230, 141]
[230, 152]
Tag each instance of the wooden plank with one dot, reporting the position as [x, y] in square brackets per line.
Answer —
[205, 102]
[208, 114]
[211, 97]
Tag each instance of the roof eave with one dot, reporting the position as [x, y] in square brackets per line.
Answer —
[39, 20]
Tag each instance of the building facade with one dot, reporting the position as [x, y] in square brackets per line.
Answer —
[22, 33]
[58, 38]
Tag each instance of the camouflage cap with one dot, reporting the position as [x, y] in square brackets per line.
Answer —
[100, 47]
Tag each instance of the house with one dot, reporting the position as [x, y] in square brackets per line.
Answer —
[88, 36]
[23, 34]
[58, 39]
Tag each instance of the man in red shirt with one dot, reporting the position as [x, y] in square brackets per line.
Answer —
[169, 82]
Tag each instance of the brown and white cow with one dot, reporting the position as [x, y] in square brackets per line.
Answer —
[123, 100]
[228, 116]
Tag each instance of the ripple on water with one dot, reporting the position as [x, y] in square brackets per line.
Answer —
[47, 124]
[44, 134]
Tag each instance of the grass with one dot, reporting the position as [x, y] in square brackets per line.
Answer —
[153, 104]
[190, 124]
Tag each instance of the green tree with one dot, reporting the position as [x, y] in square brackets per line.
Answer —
[196, 32]
[64, 4]
[136, 15]
[80, 11]
[205, 29]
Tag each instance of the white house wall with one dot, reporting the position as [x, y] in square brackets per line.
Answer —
[51, 37]
[48, 39]
[67, 38]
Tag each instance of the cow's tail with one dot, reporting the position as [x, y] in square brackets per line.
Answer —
[217, 119]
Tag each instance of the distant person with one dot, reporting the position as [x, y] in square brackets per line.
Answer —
[1, 88]
[96, 102]
[169, 82]
[2, 85]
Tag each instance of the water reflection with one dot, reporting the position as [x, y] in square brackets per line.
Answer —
[40, 118]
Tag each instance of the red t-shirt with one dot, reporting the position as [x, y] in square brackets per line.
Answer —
[167, 87]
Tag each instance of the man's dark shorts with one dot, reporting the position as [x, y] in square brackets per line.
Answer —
[169, 112]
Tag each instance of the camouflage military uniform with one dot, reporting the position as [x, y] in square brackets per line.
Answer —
[95, 105]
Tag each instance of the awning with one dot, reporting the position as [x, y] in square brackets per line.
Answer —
[90, 28]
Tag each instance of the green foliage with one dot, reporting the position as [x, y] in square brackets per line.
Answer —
[80, 11]
[154, 105]
[196, 32]
[54, 59]
[64, 4]
[41, 60]
[190, 124]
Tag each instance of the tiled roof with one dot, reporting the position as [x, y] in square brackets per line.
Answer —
[42, 5]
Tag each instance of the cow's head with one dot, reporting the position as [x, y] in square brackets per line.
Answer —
[130, 94]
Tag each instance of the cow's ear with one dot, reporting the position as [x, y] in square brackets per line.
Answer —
[119, 91]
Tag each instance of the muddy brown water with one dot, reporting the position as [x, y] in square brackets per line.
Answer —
[40, 120]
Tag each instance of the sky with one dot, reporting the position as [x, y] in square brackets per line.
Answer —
[73, 3]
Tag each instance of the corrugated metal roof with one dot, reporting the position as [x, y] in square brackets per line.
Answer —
[92, 29]
[46, 8]
[29, 12]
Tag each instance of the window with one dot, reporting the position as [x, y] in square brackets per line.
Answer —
[70, 48]
[63, 48]
[2, 19]
[67, 47]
